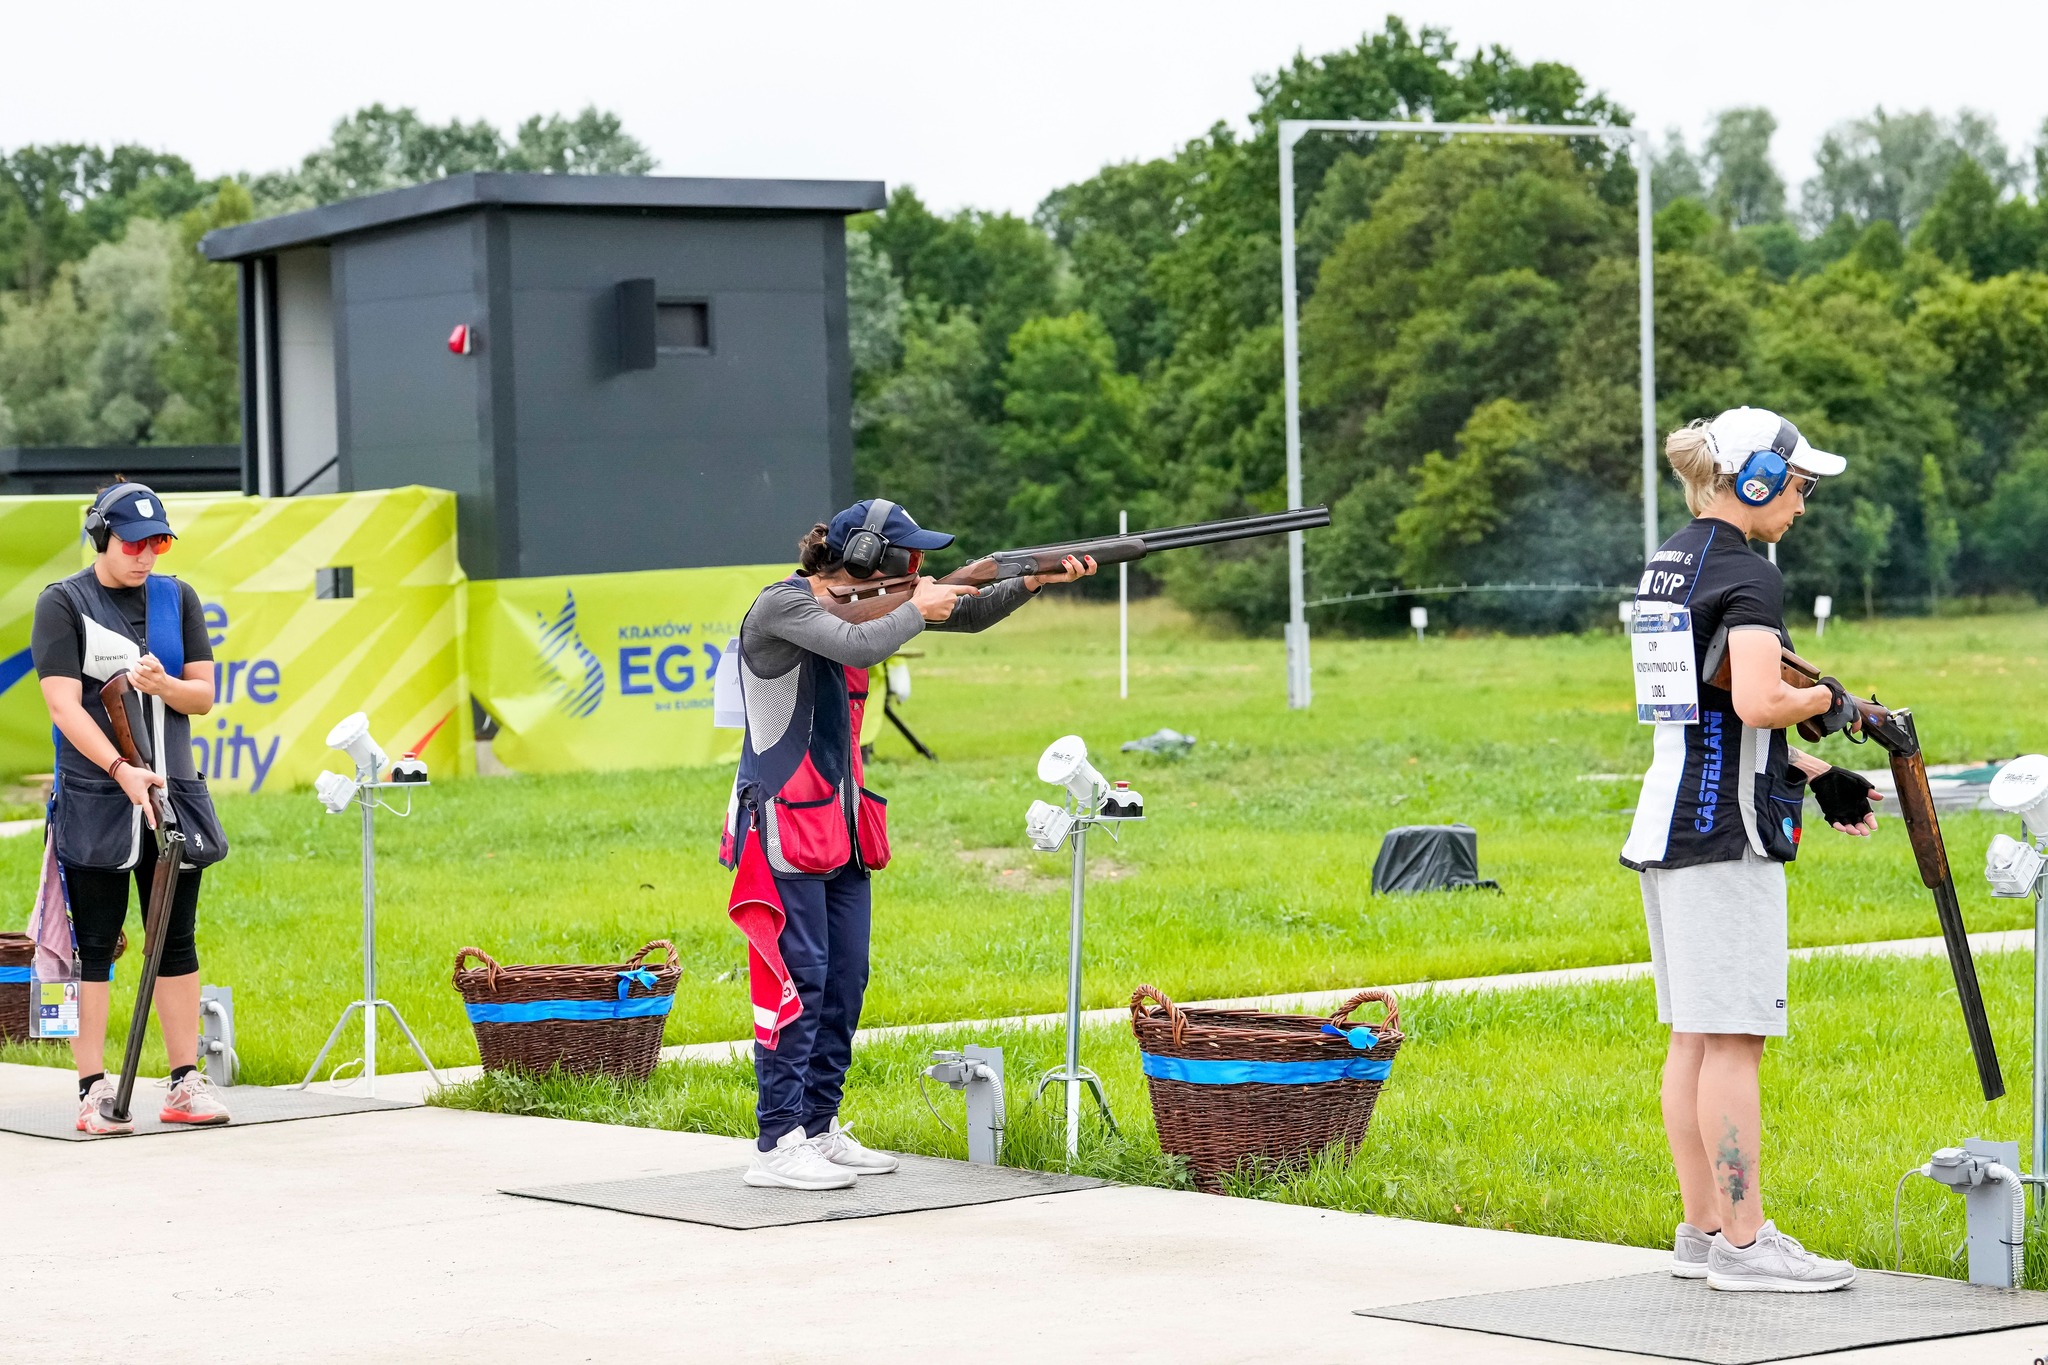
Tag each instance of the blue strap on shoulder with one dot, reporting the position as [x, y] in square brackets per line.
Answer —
[165, 633]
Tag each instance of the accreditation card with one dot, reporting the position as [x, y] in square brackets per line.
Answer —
[56, 1009]
[1667, 686]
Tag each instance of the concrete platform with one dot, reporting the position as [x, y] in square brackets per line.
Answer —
[379, 1237]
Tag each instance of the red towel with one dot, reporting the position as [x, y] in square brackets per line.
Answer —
[756, 908]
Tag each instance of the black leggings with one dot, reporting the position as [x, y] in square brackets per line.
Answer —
[99, 905]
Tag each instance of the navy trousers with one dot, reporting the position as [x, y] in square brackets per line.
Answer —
[825, 947]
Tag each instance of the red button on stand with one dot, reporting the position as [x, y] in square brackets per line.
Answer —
[461, 341]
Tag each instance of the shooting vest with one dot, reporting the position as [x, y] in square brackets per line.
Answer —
[95, 824]
[1717, 789]
[800, 773]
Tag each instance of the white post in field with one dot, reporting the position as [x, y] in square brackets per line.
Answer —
[1123, 615]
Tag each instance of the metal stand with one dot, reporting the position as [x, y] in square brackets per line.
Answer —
[889, 710]
[2037, 1177]
[1071, 1072]
[370, 1004]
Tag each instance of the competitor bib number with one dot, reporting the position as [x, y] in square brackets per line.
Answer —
[1667, 688]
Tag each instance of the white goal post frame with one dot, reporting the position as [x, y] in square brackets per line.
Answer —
[1292, 131]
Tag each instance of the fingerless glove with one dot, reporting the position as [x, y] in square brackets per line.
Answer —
[1844, 796]
[1841, 714]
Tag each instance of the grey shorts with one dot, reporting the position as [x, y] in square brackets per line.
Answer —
[1718, 945]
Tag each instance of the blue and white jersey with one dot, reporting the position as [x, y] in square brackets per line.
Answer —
[1717, 788]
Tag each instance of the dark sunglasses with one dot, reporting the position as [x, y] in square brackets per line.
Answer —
[136, 547]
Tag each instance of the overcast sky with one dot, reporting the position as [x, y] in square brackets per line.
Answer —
[975, 104]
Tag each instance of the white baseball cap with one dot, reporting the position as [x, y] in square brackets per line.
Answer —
[1739, 433]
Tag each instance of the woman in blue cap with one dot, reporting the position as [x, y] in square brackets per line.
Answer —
[120, 616]
[804, 834]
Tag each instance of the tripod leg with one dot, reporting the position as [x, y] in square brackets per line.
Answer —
[407, 1029]
[1095, 1088]
[889, 710]
[328, 1046]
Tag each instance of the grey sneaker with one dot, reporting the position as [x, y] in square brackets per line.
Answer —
[839, 1146]
[1689, 1252]
[1773, 1263]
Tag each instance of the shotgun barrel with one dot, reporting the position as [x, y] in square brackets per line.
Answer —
[129, 737]
[1896, 733]
[877, 597]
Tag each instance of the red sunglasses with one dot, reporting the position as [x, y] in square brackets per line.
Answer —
[136, 547]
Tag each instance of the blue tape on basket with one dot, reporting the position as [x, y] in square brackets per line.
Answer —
[536, 1011]
[13, 974]
[628, 979]
[1361, 1037]
[1265, 1073]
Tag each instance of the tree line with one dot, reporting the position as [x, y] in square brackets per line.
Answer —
[1469, 350]
[114, 331]
[1468, 331]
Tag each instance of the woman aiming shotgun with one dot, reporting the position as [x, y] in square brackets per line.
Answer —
[803, 833]
[1718, 819]
[118, 616]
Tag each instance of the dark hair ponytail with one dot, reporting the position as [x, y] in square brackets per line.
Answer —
[814, 551]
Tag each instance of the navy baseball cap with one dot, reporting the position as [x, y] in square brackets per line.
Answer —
[134, 512]
[897, 528]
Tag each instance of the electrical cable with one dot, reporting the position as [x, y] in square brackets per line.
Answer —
[923, 1090]
[1898, 1247]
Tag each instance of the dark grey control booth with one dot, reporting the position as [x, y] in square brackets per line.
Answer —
[612, 372]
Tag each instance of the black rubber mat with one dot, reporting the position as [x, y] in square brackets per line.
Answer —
[1660, 1315]
[720, 1199]
[249, 1105]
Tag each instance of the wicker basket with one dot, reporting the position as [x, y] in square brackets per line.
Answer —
[17, 951]
[1214, 1110]
[583, 1019]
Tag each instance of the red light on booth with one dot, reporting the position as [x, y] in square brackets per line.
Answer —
[461, 341]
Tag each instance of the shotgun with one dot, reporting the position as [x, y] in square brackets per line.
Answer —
[1896, 734]
[876, 597]
[126, 710]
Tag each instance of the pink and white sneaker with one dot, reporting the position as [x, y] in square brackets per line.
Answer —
[90, 1120]
[194, 1101]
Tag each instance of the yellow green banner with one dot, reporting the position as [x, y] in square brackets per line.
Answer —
[320, 606]
[288, 662]
[597, 671]
[39, 540]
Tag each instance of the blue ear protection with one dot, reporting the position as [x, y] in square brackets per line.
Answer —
[1765, 473]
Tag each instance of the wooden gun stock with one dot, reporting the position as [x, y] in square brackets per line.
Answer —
[118, 696]
[1896, 734]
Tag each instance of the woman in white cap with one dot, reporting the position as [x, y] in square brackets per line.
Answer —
[1718, 819]
[119, 615]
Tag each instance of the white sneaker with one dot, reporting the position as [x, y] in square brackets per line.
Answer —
[193, 1100]
[796, 1164]
[1773, 1263]
[841, 1148]
[1689, 1248]
[90, 1120]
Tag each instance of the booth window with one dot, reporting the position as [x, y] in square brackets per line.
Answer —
[682, 327]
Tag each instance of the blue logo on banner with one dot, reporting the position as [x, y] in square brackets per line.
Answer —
[571, 671]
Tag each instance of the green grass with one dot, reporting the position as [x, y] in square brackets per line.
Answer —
[1529, 1110]
[1250, 876]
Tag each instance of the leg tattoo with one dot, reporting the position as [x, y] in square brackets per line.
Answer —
[1735, 1180]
